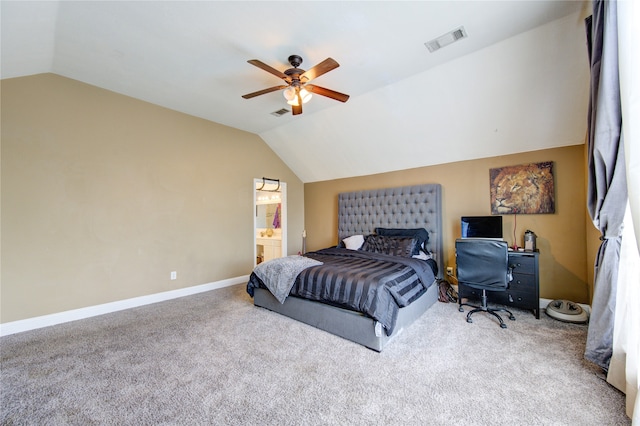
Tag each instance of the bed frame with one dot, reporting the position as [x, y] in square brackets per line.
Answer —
[360, 212]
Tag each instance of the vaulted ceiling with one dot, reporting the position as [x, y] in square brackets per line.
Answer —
[516, 83]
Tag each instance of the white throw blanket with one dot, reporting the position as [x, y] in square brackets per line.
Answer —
[280, 274]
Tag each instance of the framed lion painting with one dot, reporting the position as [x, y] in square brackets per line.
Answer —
[523, 189]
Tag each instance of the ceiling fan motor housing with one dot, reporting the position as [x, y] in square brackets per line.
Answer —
[295, 72]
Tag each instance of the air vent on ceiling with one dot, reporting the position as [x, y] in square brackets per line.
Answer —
[280, 112]
[446, 39]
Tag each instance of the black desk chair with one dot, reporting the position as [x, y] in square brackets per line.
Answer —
[484, 265]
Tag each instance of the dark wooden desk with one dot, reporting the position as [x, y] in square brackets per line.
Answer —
[523, 291]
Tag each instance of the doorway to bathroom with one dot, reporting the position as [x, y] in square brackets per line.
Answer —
[270, 219]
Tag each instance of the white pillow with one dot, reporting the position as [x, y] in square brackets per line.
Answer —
[354, 242]
[422, 256]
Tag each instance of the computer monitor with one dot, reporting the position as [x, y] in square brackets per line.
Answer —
[481, 226]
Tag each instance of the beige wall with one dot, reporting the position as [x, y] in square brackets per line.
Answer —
[104, 195]
[562, 237]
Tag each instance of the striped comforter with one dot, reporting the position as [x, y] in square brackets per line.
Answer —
[377, 285]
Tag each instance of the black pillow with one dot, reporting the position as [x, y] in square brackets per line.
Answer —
[394, 246]
[420, 234]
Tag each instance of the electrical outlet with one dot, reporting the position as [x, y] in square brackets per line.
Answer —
[450, 271]
[174, 275]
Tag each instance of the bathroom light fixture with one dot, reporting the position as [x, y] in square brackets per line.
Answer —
[268, 199]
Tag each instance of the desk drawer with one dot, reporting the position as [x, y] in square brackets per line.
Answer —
[516, 298]
[523, 282]
[523, 264]
[468, 292]
[512, 297]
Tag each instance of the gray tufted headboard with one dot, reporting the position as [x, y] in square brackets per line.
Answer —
[419, 206]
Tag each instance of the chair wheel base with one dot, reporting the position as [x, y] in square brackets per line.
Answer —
[484, 308]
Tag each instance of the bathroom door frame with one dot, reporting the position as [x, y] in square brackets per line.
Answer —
[283, 218]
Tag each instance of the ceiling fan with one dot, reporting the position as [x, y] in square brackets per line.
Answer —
[298, 90]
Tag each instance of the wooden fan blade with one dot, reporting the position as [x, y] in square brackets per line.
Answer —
[327, 92]
[297, 109]
[263, 91]
[322, 68]
[270, 69]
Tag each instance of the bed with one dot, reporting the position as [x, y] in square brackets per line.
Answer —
[346, 302]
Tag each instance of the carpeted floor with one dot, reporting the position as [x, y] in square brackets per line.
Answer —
[214, 358]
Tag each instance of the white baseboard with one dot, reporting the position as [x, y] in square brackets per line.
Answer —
[92, 311]
[544, 303]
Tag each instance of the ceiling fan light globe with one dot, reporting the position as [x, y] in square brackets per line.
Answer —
[293, 102]
[306, 96]
[289, 94]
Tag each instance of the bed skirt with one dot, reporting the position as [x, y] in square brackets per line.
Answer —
[345, 323]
